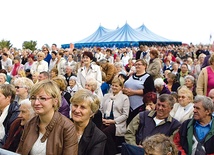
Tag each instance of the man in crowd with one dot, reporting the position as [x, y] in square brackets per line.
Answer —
[196, 135]
[109, 69]
[43, 76]
[149, 123]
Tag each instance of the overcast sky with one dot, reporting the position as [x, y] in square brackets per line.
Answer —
[68, 21]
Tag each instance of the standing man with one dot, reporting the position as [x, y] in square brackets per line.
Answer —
[196, 135]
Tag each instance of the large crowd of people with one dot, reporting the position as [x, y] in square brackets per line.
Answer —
[94, 100]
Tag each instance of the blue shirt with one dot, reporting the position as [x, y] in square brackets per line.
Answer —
[202, 131]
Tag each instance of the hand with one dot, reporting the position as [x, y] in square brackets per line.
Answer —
[128, 91]
[148, 107]
[107, 122]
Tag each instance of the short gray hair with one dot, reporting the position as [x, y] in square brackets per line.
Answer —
[207, 102]
[158, 82]
[167, 98]
[28, 103]
[190, 77]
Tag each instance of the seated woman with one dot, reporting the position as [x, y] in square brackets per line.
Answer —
[49, 132]
[150, 99]
[16, 129]
[91, 85]
[91, 140]
[23, 87]
[183, 110]
[72, 86]
[172, 83]
[190, 83]
[115, 111]
[159, 144]
[53, 73]
[64, 108]
[160, 87]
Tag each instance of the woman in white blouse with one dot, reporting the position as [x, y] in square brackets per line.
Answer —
[183, 110]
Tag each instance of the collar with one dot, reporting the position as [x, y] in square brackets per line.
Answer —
[152, 114]
[50, 126]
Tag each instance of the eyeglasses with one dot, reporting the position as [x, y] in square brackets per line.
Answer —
[183, 97]
[17, 87]
[40, 99]
[39, 55]
[138, 64]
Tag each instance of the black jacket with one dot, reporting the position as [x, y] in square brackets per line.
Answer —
[13, 112]
[92, 141]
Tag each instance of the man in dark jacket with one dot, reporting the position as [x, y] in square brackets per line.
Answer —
[9, 110]
[196, 135]
[149, 123]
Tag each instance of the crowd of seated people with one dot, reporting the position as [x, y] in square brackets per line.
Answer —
[91, 100]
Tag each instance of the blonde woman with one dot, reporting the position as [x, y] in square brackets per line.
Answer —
[49, 132]
[115, 110]
[23, 87]
[183, 110]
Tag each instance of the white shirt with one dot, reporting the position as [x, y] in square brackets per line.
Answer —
[39, 148]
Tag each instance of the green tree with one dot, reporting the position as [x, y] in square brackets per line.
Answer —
[29, 45]
[5, 43]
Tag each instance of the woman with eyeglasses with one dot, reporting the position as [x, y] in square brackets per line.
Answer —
[136, 86]
[49, 132]
[183, 110]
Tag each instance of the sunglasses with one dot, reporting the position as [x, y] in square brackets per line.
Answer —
[17, 87]
[183, 97]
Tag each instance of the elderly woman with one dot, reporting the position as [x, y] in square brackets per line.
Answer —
[154, 67]
[190, 83]
[23, 87]
[183, 110]
[160, 87]
[136, 86]
[205, 80]
[91, 140]
[49, 132]
[72, 87]
[16, 129]
[115, 110]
